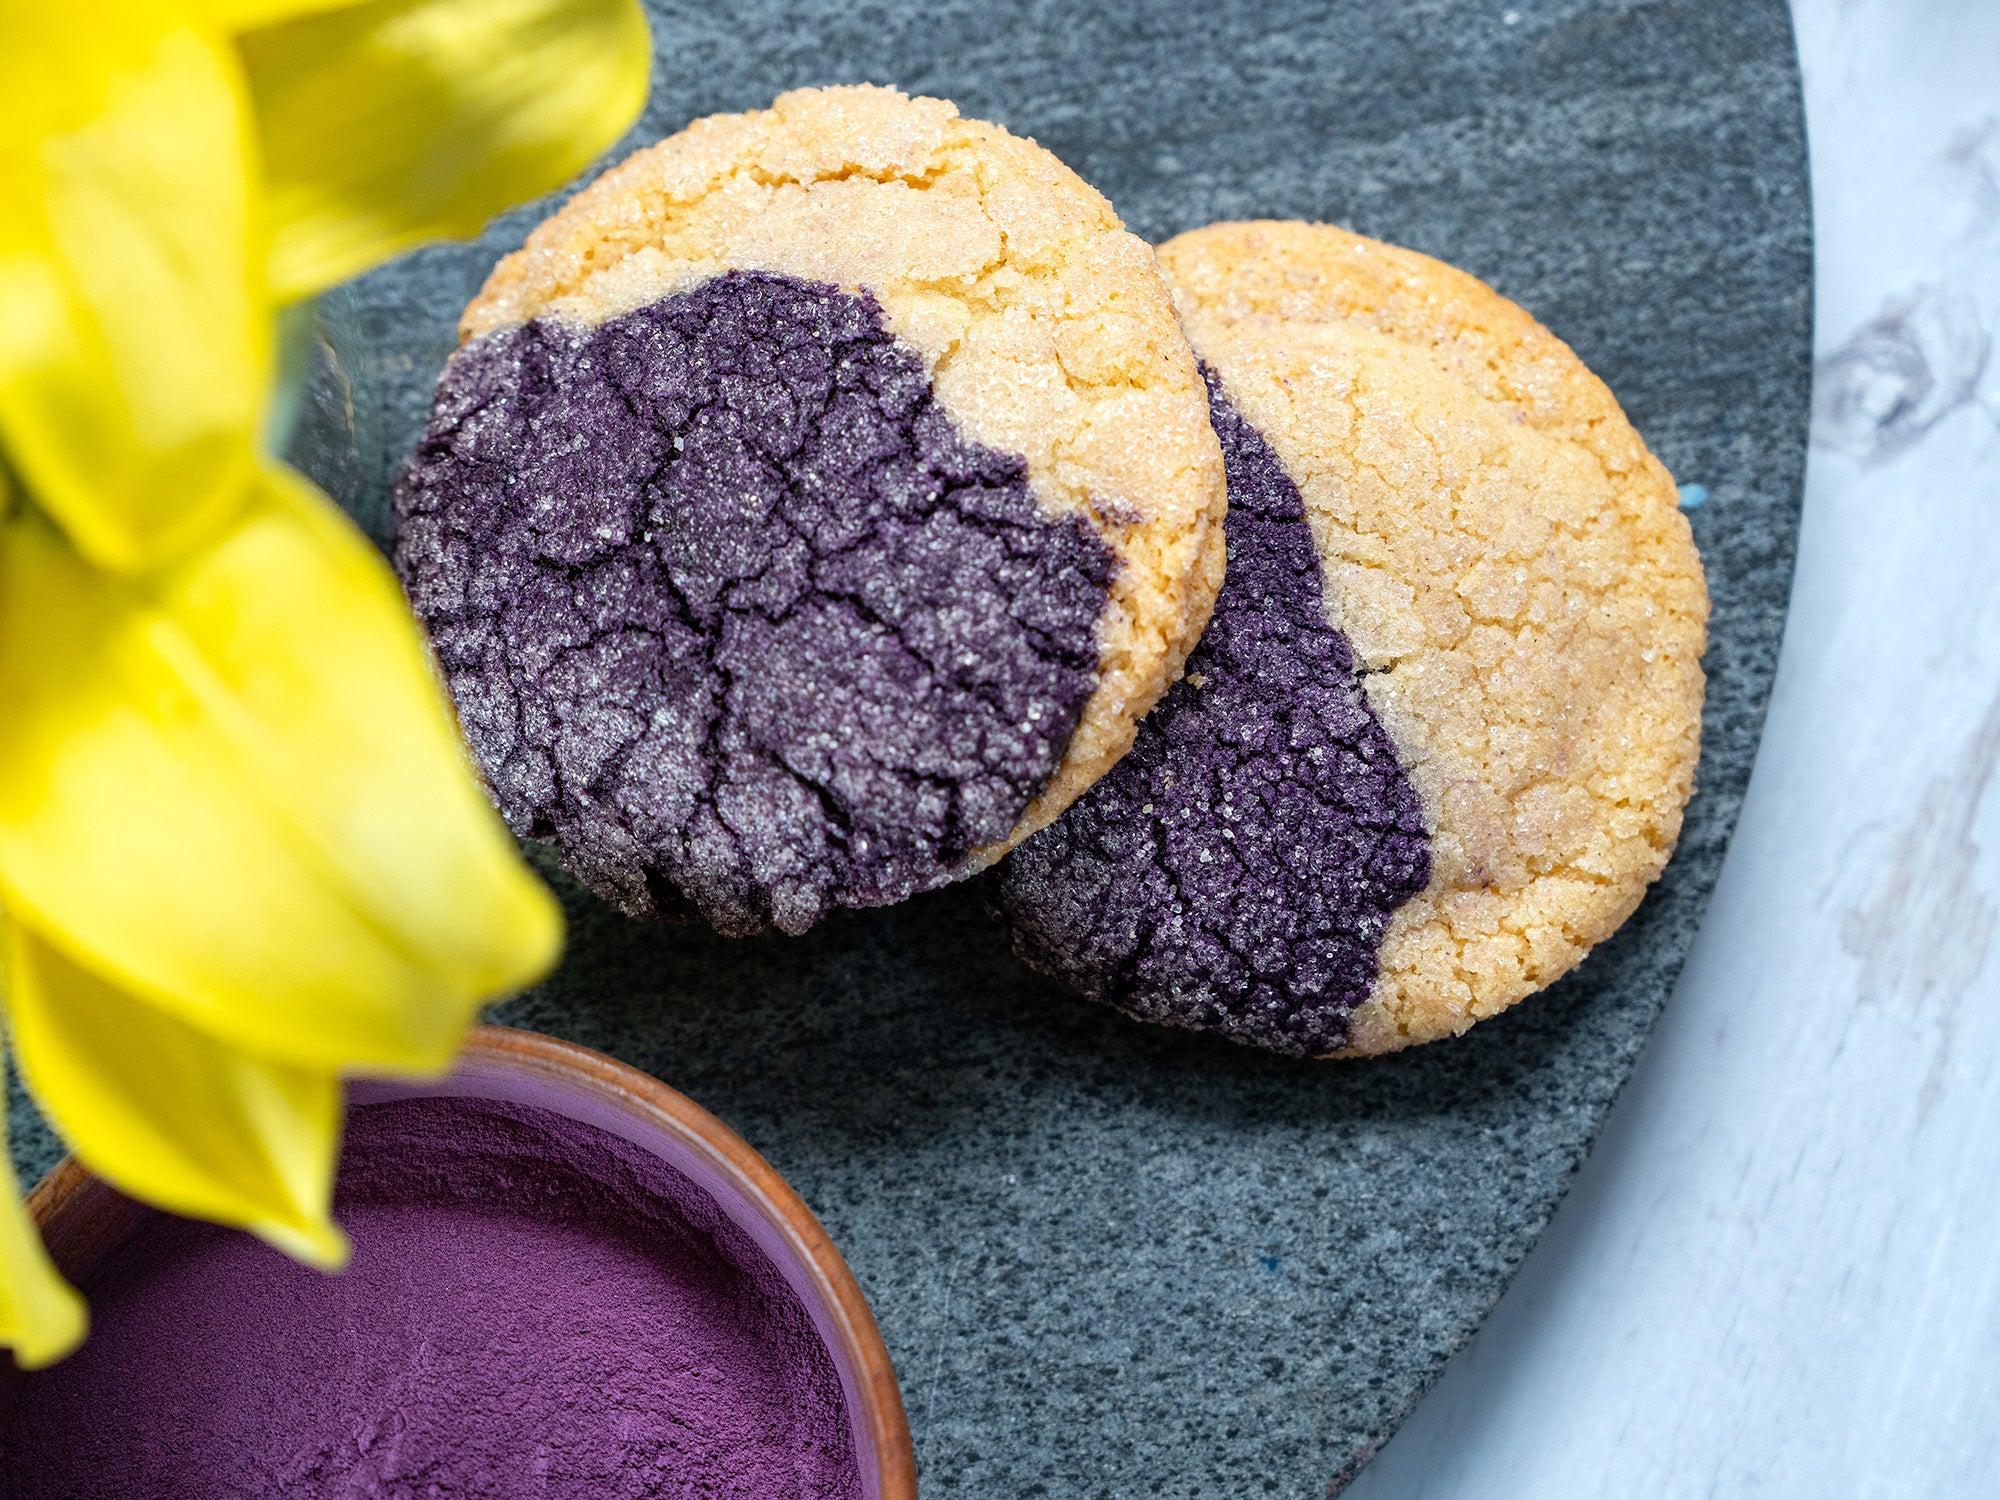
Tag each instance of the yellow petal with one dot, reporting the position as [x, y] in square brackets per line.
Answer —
[133, 338]
[41, 1316]
[169, 1115]
[388, 124]
[235, 789]
[241, 15]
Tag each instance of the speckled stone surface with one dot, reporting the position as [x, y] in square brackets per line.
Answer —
[1111, 1260]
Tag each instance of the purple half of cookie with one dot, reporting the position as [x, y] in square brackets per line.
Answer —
[732, 610]
[1237, 871]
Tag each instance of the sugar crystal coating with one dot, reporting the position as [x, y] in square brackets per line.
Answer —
[1237, 871]
[1512, 570]
[733, 613]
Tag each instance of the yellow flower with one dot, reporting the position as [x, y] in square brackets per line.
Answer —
[242, 852]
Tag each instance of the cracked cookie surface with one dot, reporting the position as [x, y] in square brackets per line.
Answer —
[1511, 570]
[817, 502]
[1236, 872]
[733, 613]
[1046, 329]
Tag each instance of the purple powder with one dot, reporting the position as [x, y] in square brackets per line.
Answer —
[1237, 870]
[534, 1308]
[733, 613]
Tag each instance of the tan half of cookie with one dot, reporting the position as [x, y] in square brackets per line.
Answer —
[1045, 327]
[1512, 570]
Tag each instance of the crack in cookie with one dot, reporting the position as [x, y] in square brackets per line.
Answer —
[732, 611]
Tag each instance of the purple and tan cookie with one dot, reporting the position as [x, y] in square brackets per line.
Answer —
[1438, 738]
[813, 508]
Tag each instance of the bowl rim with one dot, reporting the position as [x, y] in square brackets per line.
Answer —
[80, 1216]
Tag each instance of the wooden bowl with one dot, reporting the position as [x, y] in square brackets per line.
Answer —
[81, 1217]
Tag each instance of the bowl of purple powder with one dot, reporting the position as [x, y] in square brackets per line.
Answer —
[567, 1280]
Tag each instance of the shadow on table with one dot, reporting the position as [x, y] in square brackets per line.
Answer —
[879, 1029]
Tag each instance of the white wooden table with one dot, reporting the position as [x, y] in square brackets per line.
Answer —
[1779, 1272]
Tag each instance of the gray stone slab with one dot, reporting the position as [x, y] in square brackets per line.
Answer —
[1113, 1261]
